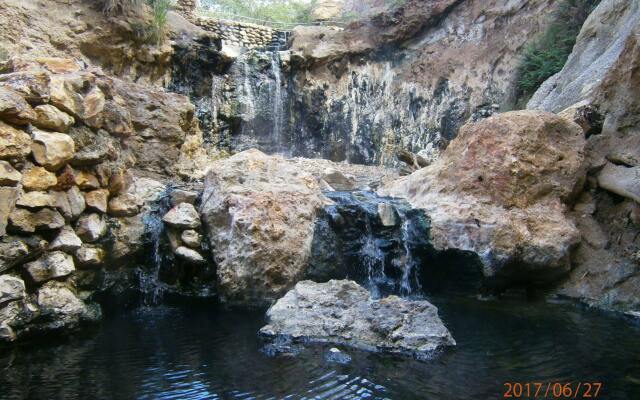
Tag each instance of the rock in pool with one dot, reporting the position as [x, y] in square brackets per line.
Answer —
[344, 313]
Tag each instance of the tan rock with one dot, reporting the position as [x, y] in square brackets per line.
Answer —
[191, 238]
[183, 216]
[59, 65]
[15, 144]
[498, 191]
[9, 176]
[91, 228]
[32, 84]
[93, 107]
[38, 178]
[76, 200]
[261, 228]
[15, 109]
[52, 150]
[189, 255]
[50, 118]
[50, 266]
[66, 241]
[621, 180]
[90, 256]
[97, 200]
[26, 221]
[65, 91]
[86, 180]
[124, 205]
[8, 196]
[36, 200]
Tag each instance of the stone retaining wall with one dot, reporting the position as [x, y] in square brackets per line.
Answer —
[235, 33]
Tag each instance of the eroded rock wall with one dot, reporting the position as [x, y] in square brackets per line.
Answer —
[602, 77]
[407, 79]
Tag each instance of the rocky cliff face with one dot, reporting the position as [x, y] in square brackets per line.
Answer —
[602, 74]
[406, 78]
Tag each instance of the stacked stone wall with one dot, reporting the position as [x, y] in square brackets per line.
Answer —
[234, 33]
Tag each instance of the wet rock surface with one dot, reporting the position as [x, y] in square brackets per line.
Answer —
[342, 312]
[353, 239]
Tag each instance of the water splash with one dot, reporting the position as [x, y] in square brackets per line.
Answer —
[373, 259]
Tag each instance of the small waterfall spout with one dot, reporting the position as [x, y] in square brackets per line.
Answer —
[380, 242]
[151, 287]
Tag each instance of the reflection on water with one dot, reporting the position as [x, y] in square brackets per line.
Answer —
[204, 353]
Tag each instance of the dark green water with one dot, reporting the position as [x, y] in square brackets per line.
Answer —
[203, 353]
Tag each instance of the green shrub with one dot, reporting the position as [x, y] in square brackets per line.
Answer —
[157, 28]
[548, 54]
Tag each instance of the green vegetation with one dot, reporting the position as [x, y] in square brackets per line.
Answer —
[283, 11]
[155, 30]
[548, 54]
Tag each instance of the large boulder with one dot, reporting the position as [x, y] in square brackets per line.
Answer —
[259, 212]
[344, 313]
[15, 250]
[67, 240]
[499, 190]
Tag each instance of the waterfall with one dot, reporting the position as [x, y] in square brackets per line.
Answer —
[353, 239]
[373, 259]
[250, 107]
[278, 116]
[151, 287]
[410, 273]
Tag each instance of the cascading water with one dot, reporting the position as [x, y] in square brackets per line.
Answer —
[151, 287]
[354, 240]
[278, 112]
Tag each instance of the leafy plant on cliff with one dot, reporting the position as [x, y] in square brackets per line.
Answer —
[548, 54]
[151, 32]
[157, 29]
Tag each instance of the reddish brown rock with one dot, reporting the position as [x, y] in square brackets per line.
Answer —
[498, 191]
